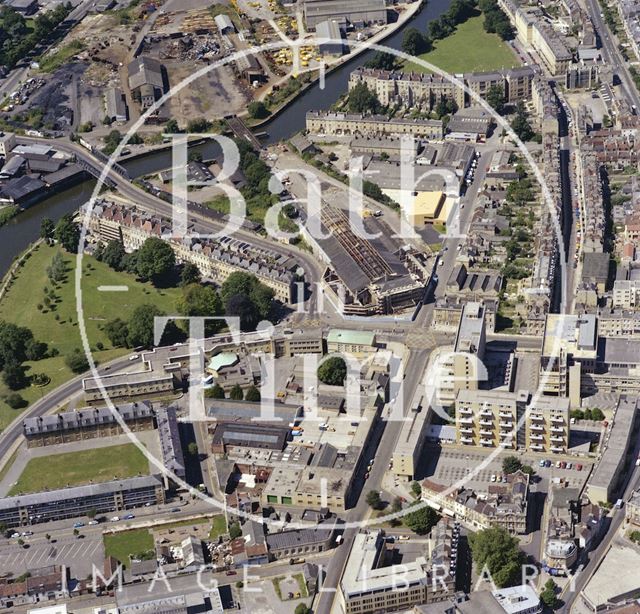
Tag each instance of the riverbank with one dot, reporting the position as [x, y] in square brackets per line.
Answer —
[341, 62]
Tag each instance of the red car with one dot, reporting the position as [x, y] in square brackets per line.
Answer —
[578, 467]
[231, 573]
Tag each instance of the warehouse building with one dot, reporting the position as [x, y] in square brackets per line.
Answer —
[357, 12]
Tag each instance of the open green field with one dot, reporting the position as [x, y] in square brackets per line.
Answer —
[77, 468]
[58, 325]
[121, 545]
[469, 49]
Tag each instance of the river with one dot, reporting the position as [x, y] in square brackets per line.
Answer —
[25, 227]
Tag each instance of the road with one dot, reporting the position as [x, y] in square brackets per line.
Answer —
[418, 360]
[611, 54]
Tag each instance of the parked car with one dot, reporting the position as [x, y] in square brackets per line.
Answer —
[541, 463]
[578, 467]
[78, 525]
[129, 517]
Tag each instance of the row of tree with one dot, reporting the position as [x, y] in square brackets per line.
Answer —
[18, 39]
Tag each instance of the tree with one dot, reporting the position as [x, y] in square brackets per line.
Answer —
[113, 255]
[374, 501]
[549, 594]
[520, 124]
[235, 530]
[511, 464]
[155, 260]
[117, 332]
[499, 552]
[597, 414]
[92, 513]
[201, 301]
[422, 520]
[67, 233]
[77, 361]
[362, 100]
[15, 401]
[215, 392]
[414, 42]
[236, 394]
[416, 489]
[190, 274]
[258, 110]
[382, 61]
[47, 228]
[333, 371]
[141, 325]
[192, 448]
[14, 376]
[245, 297]
[252, 394]
[198, 124]
[495, 98]
[171, 127]
[57, 269]
[301, 608]
[111, 142]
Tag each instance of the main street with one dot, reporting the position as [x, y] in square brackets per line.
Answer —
[611, 54]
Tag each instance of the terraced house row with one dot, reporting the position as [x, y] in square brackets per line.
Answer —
[216, 259]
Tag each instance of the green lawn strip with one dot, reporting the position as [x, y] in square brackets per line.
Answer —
[125, 543]
[469, 49]
[301, 584]
[76, 468]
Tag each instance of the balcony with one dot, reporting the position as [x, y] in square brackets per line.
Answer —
[487, 413]
[467, 430]
[536, 446]
[506, 425]
[536, 437]
[557, 429]
[537, 417]
[487, 432]
[556, 438]
[557, 419]
[465, 420]
[466, 411]
[486, 442]
[466, 439]
[486, 422]
[505, 414]
[557, 449]
[537, 427]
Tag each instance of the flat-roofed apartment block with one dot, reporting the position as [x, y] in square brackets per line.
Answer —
[489, 418]
[569, 350]
[295, 343]
[547, 424]
[515, 83]
[118, 495]
[329, 123]
[608, 477]
[356, 12]
[407, 88]
[626, 294]
[463, 368]
[408, 449]
[87, 423]
[369, 584]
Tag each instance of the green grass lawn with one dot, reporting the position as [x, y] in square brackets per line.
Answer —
[76, 468]
[218, 527]
[469, 49]
[121, 545]
[19, 306]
